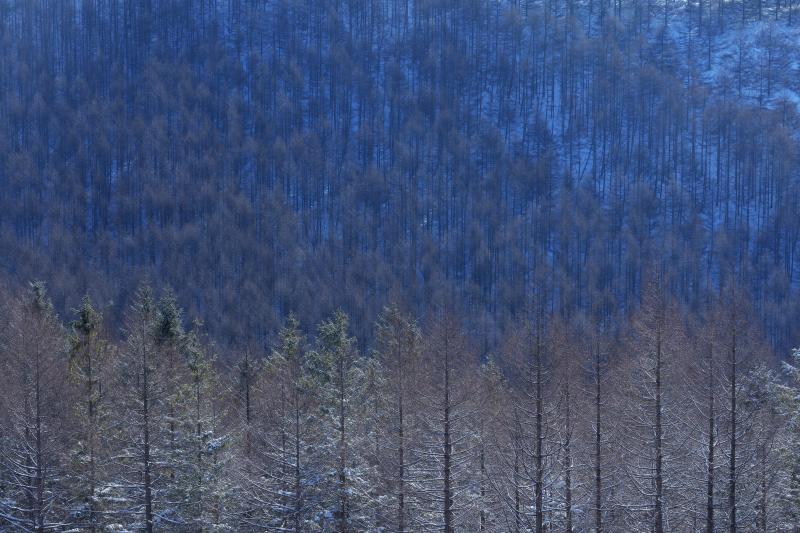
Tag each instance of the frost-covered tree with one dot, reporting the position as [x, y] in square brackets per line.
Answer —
[703, 422]
[567, 349]
[398, 346]
[765, 437]
[90, 357]
[788, 395]
[35, 416]
[340, 373]
[206, 449]
[141, 470]
[498, 475]
[282, 478]
[446, 485]
[652, 401]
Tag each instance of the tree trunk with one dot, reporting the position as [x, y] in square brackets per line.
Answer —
[538, 489]
[711, 446]
[659, 518]
[732, 479]
[343, 501]
[448, 496]
[598, 480]
[401, 496]
[297, 480]
[148, 491]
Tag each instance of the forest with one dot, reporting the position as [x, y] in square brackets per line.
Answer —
[399, 265]
[679, 422]
[264, 157]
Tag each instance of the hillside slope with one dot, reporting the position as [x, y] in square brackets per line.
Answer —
[263, 158]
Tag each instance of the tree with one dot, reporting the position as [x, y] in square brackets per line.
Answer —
[651, 406]
[89, 359]
[281, 478]
[206, 453]
[567, 373]
[398, 349]
[141, 419]
[498, 477]
[340, 373]
[35, 415]
[448, 438]
[788, 396]
[534, 410]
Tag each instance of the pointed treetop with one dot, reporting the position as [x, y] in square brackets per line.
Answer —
[333, 332]
[197, 357]
[290, 338]
[87, 320]
[169, 319]
[143, 300]
[41, 302]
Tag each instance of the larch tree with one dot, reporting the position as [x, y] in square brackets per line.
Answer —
[651, 404]
[448, 437]
[788, 395]
[702, 422]
[732, 333]
[532, 366]
[35, 418]
[766, 437]
[399, 343]
[567, 374]
[600, 424]
[496, 449]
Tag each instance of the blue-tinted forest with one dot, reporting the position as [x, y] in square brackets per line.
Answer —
[263, 158]
[399, 266]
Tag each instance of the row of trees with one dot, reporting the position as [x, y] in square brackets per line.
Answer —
[266, 152]
[672, 422]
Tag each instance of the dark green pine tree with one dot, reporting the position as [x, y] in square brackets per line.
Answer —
[340, 372]
[88, 363]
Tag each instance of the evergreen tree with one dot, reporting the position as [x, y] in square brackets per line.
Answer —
[89, 360]
[283, 477]
[140, 442]
[340, 373]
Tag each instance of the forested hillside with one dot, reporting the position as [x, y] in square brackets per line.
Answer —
[399, 265]
[677, 423]
[262, 158]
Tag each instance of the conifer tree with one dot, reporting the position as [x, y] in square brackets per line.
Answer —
[208, 486]
[35, 416]
[494, 450]
[788, 395]
[447, 437]
[398, 350]
[340, 373]
[140, 446]
[89, 357]
[651, 403]
[282, 477]
[178, 360]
